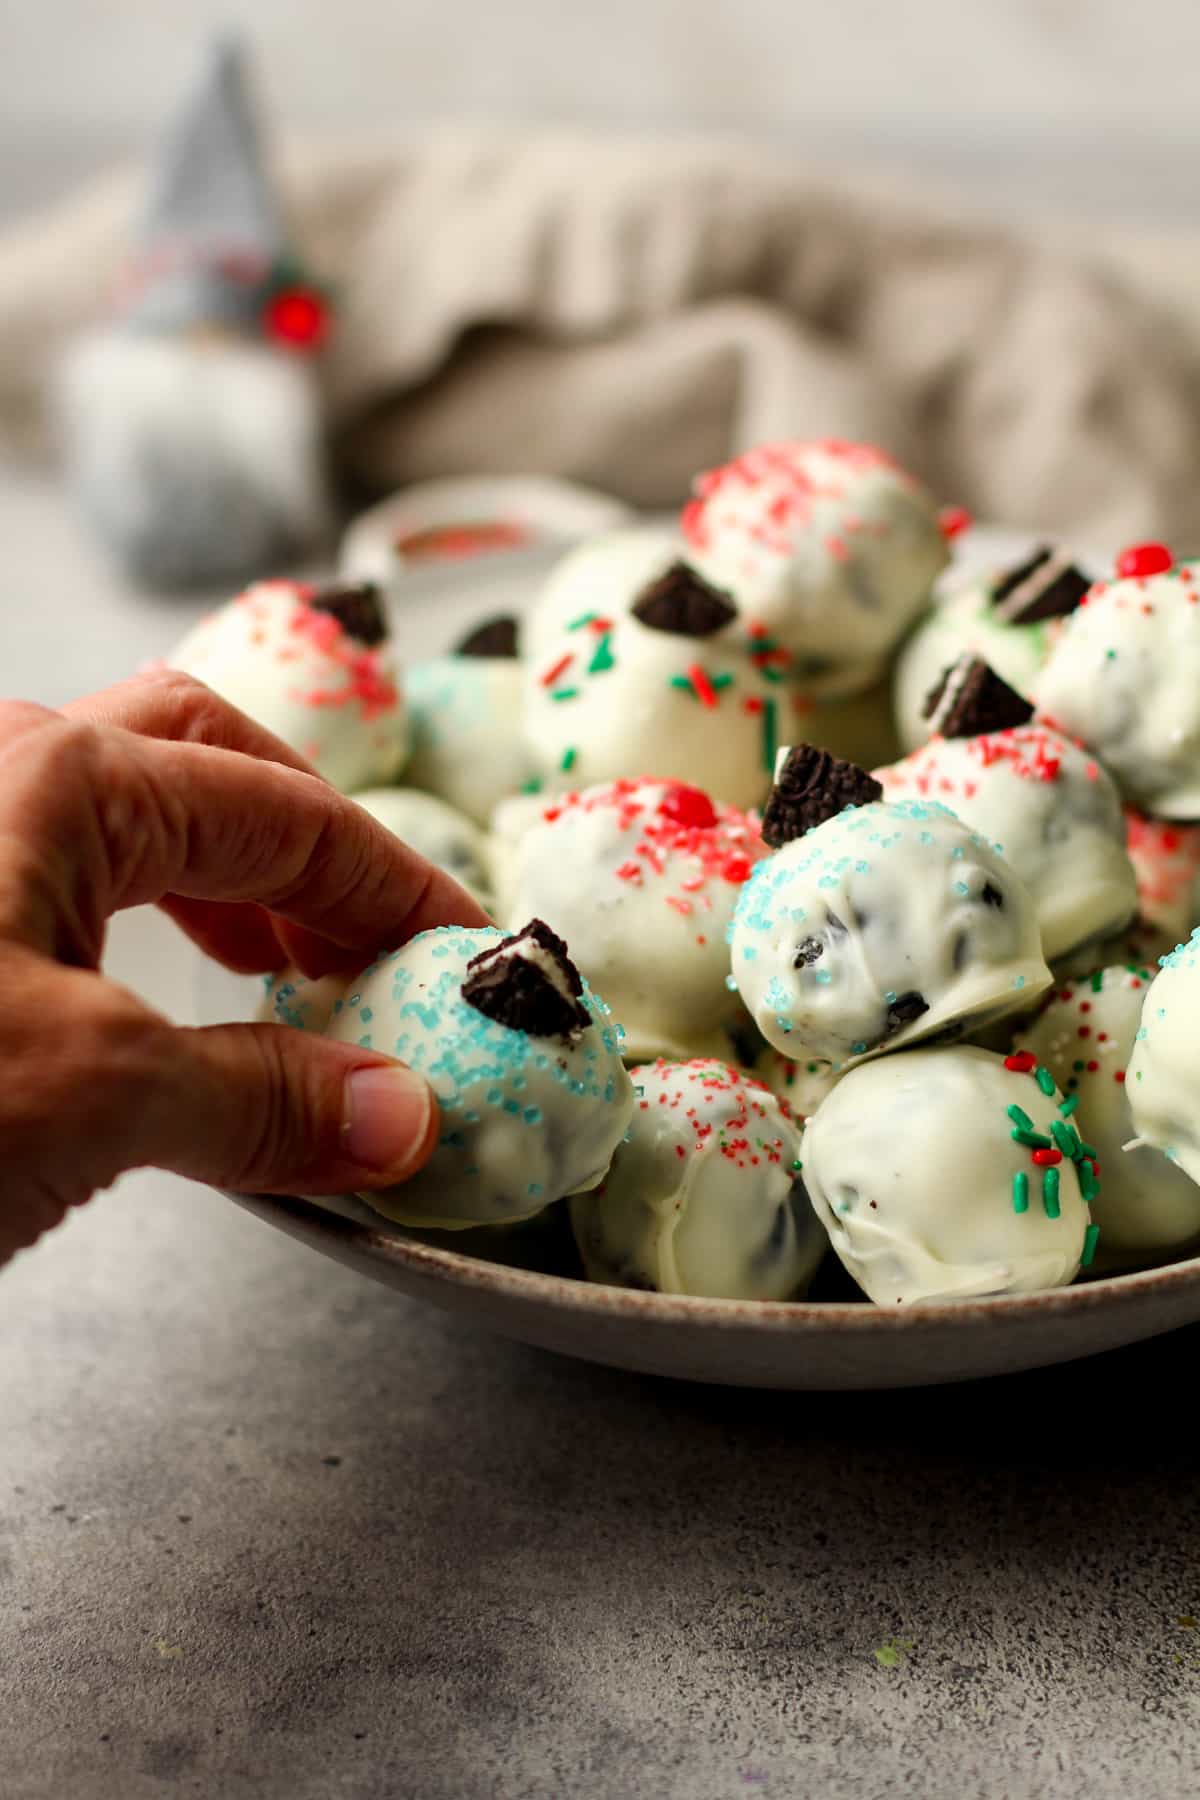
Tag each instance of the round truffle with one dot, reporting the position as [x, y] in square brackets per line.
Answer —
[938, 1176]
[467, 747]
[1052, 811]
[641, 878]
[830, 546]
[1085, 1036]
[1163, 1077]
[703, 1195]
[525, 1062]
[1125, 678]
[889, 923]
[315, 667]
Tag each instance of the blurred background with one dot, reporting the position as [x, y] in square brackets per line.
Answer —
[1042, 108]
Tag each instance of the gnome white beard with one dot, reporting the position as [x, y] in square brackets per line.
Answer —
[199, 459]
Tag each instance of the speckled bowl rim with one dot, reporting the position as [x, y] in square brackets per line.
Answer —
[454, 1269]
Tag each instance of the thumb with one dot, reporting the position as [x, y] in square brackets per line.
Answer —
[265, 1108]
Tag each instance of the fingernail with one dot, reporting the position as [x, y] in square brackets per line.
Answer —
[387, 1114]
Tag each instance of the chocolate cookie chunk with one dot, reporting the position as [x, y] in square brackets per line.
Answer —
[530, 984]
[357, 607]
[495, 637]
[1047, 585]
[811, 786]
[971, 698]
[682, 602]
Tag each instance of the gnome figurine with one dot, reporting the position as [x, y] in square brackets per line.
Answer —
[191, 420]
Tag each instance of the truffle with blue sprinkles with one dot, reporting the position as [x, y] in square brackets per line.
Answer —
[1163, 1078]
[882, 924]
[950, 1173]
[525, 1062]
[704, 1195]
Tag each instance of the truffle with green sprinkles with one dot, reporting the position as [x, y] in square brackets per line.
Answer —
[913, 1167]
[704, 1195]
[525, 1117]
[1148, 1204]
[882, 925]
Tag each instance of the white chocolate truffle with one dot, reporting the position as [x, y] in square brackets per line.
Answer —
[301, 1001]
[1051, 810]
[1125, 678]
[1085, 1036]
[467, 746]
[883, 925]
[641, 878]
[444, 837]
[1163, 1078]
[702, 1196]
[676, 689]
[830, 545]
[912, 1167]
[602, 576]
[987, 618]
[528, 1116]
[283, 654]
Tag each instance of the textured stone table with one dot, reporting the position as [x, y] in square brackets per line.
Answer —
[268, 1530]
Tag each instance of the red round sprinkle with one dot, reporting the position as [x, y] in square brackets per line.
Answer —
[296, 317]
[1120, 1075]
[1046, 1159]
[1143, 559]
[687, 806]
[953, 521]
[1021, 1062]
[737, 868]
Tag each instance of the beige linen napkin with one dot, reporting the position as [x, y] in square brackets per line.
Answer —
[624, 311]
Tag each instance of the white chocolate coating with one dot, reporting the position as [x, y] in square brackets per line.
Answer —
[604, 575]
[1163, 1078]
[300, 1001]
[883, 925]
[298, 673]
[614, 699]
[702, 1196]
[910, 1165]
[1125, 678]
[641, 879]
[1054, 814]
[437, 832]
[1085, 1037]
[831, 545]
[1166, 861]
[467, 746]
[966, 621]
[525, 1120]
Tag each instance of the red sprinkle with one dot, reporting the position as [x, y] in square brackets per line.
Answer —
[688, 806]
[953, 521]
[1022, 1062]
[1143, 559]
[1046, 1159]
[702, 687]
[559, 668]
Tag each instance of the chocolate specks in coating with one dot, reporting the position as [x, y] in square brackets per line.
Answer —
[971, 699]
[1047, 585]
[529, 983]
[810, 787]
[682, 602]
[494, 637]
[903, 1010]
[357, 607]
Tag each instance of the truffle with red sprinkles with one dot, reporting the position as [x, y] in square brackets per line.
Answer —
[951, 1173]
[704, 1195]
[1085, 1035]
[641, 878]
[1124, 678]
[971, 698]
[830, 545]
[313, 665]
[811, 785]
[1051, 809]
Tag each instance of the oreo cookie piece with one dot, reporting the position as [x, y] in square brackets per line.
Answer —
[971, 698]
[903, 1010]
[682, 602]
[358, 608]
[495, 637]
[530, 984]
[812, 785]
[1048, 585]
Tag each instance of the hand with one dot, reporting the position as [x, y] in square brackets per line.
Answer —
[159, 791]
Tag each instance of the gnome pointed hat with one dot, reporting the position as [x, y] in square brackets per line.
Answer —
[211, 192]
[211, 246]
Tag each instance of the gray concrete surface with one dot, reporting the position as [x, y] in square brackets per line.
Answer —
[268, 1530]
